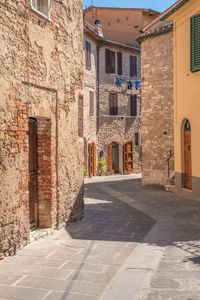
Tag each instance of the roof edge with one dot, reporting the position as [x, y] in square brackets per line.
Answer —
[125, 8]
[89, 29]
[162, 30]
[173, 9]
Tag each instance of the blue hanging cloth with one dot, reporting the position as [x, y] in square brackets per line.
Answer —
[117, 81]
[138, 85]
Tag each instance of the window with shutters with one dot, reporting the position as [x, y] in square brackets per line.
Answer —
[133, 105]
[110, 61]
[91, 103]
[195, 43]
[137, 139]
[41, 6]
[113, 103]
[133, 66]
[119, 63]
[88, 55]
[80, 116]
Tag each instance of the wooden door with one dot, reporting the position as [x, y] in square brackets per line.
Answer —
[128, 157]
[92, 160]
[188, 160]
[33, 172]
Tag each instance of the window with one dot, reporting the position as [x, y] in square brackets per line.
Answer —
[110, 61]
[91, 103]
[133, 105]
[136, 139]
[80, 116]
[195, 43]
[133, 66]
[42, 6]
[88, 55]
[119, 63]
[113, 104]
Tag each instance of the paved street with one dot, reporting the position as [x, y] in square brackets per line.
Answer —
[134, 243]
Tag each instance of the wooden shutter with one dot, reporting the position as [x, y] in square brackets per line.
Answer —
[88, 55]
[128, 157]
[85, 154]
[108, 61]
[195, 43]
[133, 105]
[137, 139]
[113, 61]
[91, 103]
[110, 158]
[133, 66]
[119, 63]
[94, 159]
[80, 116]
[113, 104]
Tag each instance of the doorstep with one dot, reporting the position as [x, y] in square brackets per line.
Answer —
[37, 234]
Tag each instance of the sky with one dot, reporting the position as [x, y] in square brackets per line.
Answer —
[159, 5]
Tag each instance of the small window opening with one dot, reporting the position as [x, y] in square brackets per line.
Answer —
[42, 6]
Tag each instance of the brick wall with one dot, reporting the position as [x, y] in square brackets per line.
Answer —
[157, 107]
[41, 77]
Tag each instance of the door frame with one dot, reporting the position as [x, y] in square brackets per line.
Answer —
[116, 170]
[33, 176]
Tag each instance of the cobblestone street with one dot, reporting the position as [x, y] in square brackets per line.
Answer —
[134, 243]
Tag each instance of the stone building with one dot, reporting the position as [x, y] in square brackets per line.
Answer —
[119, 112]
[120, 24]
[111, 134]
[157, 102]
[91, 39]
[115, 111]
[41, 88]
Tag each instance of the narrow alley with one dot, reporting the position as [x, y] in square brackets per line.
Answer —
[134, 243]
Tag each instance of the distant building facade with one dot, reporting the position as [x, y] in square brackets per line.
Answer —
[41, 88]
[116, 139]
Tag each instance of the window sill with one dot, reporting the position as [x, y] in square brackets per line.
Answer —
[41, 14]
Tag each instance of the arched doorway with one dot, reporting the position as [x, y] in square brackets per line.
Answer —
[187, 156]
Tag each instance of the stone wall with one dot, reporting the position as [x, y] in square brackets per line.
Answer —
[157, 107]
[41, 77]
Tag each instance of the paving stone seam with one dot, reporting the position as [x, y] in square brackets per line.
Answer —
[48, 294]
[46, 289]
[20, 279]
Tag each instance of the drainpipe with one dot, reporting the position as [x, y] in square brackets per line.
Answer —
[97, 84]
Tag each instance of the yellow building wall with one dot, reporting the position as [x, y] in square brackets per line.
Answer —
[186, 96]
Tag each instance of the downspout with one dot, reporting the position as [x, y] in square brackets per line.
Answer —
[97, 84]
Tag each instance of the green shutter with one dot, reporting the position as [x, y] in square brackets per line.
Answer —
[195, 43]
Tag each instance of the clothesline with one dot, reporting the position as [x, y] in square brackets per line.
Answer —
[131, 83]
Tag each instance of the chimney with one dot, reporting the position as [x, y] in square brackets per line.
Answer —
[98, 27]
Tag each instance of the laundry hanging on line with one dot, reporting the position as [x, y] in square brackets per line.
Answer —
[131, 83]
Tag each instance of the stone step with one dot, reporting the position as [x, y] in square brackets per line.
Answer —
[170, 188]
